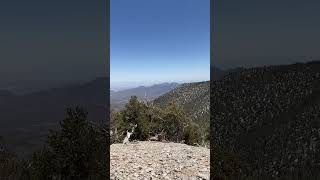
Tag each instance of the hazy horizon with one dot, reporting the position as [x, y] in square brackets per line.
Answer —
[119, 86]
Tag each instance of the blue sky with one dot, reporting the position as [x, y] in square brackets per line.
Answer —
[159, 41]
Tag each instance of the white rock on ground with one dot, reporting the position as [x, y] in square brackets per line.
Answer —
[158, 160]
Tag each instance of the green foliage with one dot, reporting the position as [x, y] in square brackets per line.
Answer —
[143, 128]
[172, 121]
[133, 110]
[135, 113]
[176, 121]
[192, 134]
[72, 147]
[74, 151]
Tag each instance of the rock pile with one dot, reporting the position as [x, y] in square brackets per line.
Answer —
[158, 160]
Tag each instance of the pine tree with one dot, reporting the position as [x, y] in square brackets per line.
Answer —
[76, 151]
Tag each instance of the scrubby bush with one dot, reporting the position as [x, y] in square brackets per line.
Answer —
[192, 134]
[172, 122]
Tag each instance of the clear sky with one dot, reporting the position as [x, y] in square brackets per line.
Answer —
[159, 41]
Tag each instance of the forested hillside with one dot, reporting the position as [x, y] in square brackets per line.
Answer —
[266, 122]
[192, 97]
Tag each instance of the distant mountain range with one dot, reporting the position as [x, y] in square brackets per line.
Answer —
[25, 120]
[119, 98]
[169, 92]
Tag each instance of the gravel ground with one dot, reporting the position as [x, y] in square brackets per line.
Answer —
[158, 160]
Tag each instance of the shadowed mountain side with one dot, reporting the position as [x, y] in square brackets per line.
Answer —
[268, 117]
[26, 119]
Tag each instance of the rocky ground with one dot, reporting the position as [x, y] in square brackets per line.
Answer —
[159, 160]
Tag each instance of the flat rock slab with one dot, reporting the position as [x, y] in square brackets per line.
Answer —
[158, 160]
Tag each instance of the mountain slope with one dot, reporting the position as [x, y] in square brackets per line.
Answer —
[269, 118]
[192, 97]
